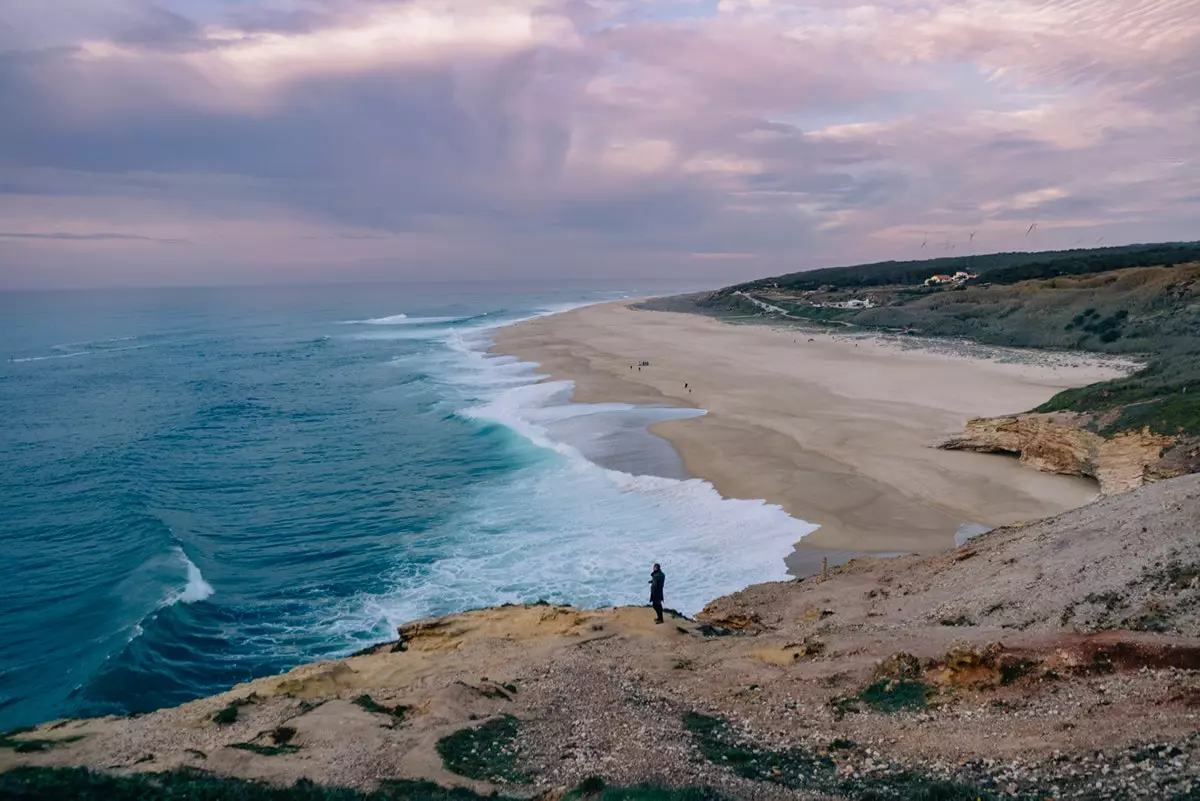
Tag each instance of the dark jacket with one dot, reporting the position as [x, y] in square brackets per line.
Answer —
[657, 580]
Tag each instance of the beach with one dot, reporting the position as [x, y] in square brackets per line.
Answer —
[837, 429]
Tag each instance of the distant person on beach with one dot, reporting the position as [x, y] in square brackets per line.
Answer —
[657, 580]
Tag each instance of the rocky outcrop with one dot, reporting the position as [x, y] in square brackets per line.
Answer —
[1059, 443]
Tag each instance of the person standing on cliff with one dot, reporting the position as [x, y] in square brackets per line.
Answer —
[657, 580]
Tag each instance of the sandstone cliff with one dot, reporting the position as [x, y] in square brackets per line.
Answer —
[1059, 443]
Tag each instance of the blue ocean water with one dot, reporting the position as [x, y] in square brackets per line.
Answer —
[206, 486]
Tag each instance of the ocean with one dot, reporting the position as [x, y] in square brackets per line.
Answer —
[206, 486]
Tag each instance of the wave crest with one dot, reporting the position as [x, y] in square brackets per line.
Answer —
[196, 589]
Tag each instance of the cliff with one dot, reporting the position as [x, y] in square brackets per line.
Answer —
[1057, 659]
[1059, 443]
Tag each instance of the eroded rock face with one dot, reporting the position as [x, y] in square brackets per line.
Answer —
[1059, 443]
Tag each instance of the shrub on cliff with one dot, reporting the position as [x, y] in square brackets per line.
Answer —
[78, 784]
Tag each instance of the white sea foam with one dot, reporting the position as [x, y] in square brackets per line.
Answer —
[52, 356]
[404, 319]
[562, 527]
[73, 354]
[196, 588]
[392, 320]
[163, 580]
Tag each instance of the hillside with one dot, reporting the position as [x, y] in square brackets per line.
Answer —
[995, 268]
[1053, 660]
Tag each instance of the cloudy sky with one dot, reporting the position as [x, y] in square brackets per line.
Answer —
[249, 141]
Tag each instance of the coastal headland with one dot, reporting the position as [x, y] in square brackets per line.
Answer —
[1055, 660]
[839, 430]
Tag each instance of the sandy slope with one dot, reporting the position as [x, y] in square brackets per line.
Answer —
[835, 429]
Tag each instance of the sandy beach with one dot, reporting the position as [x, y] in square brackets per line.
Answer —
[836, 429]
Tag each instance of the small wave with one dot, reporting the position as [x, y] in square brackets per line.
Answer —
[404, 319]
[54, 356]
[395, 319]
[197, 589]
[87, 343]
[72, 354]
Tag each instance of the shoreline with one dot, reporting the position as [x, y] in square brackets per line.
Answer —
[834, 428]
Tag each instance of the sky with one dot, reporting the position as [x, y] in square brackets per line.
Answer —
[184, 142]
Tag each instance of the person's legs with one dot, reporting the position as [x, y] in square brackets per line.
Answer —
[658, 611]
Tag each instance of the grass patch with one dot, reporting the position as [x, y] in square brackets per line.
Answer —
[910, 786]
[800, 769]
[486, 753]
[281, 736]
[78, 784]
[646, 792]
[885, 695]
[1012, 670]
[229, 713]
[33, 745]
[721, 744]
[398, 712]
[266, 750]
[591, 785]
[1180, 576]
[893, 696]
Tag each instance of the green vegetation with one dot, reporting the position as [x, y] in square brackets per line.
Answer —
[895, 695]
[29, 746]
[266, 750]
[78, 784]
[995, 268]
[487, 752]
[799, 769]
[399, 712]
[1011, 671]
[593, 788]
[885, 695]
[1158, 397]
[1180, 576]
[720, 743]
[281, 736]
[229, 713]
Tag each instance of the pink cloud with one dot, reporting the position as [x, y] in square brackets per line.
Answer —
[792, 133]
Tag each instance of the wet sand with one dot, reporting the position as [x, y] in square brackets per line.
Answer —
[835, 429]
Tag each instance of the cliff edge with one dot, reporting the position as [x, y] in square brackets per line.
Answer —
[1058, 659]
[1060, 442]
